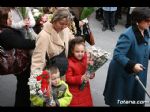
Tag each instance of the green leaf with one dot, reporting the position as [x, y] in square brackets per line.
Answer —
[87, 11]
[23, 12]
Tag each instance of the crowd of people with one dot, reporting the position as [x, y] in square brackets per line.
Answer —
[54, 39]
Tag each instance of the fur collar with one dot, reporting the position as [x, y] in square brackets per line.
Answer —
[57, 38]
[139, 37]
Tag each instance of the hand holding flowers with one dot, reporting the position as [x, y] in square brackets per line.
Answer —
[96, 58]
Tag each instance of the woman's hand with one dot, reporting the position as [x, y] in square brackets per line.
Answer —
[138, 68]
[81, 23]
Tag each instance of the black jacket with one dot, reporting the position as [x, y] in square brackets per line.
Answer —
[12, 38]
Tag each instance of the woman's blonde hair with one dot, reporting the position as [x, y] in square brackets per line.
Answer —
[60, 14]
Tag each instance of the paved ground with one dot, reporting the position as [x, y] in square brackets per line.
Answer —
[105, 40]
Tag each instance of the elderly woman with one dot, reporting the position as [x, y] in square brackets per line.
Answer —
[53, 42]
[130, 58]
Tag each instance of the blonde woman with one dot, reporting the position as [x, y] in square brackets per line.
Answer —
[53, 41]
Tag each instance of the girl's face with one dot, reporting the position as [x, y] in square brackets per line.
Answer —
[9, 19]
[60, 25]
[78, 51]
[55, 78]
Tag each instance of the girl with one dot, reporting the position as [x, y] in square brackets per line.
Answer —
[76, 74]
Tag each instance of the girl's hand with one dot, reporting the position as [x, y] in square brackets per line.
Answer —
[138, 68]
[85, 78]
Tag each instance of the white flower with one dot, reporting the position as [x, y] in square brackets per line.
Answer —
[32, 79]
[35, 11]
[37, 14]
[30, 83]
[38, 85]
[36, 72]
[99, 57]
[33, 92]
[33, 86]
[40, 92]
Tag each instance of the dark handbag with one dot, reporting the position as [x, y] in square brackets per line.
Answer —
[59, 61]
[13, 61]
[88, 35]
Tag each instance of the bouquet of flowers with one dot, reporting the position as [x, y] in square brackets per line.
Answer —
[96, 59]
[40, 85]
[36, 14]
[99, 58]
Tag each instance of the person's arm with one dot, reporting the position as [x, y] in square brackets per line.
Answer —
[120, 53]
[83, 22]
[66, 100]
[22, 43]
[39, 53]
[72, 79]
[15, 39]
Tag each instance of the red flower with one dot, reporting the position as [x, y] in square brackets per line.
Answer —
[44, 77]
[45, 72]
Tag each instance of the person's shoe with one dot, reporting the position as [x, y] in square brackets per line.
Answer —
[104, 28]
[112, 29]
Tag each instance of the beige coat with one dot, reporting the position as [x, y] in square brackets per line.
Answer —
[51, 42]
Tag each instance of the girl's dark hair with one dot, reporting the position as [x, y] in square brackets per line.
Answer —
[139, 14]
[4, 16]
[73, 42]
